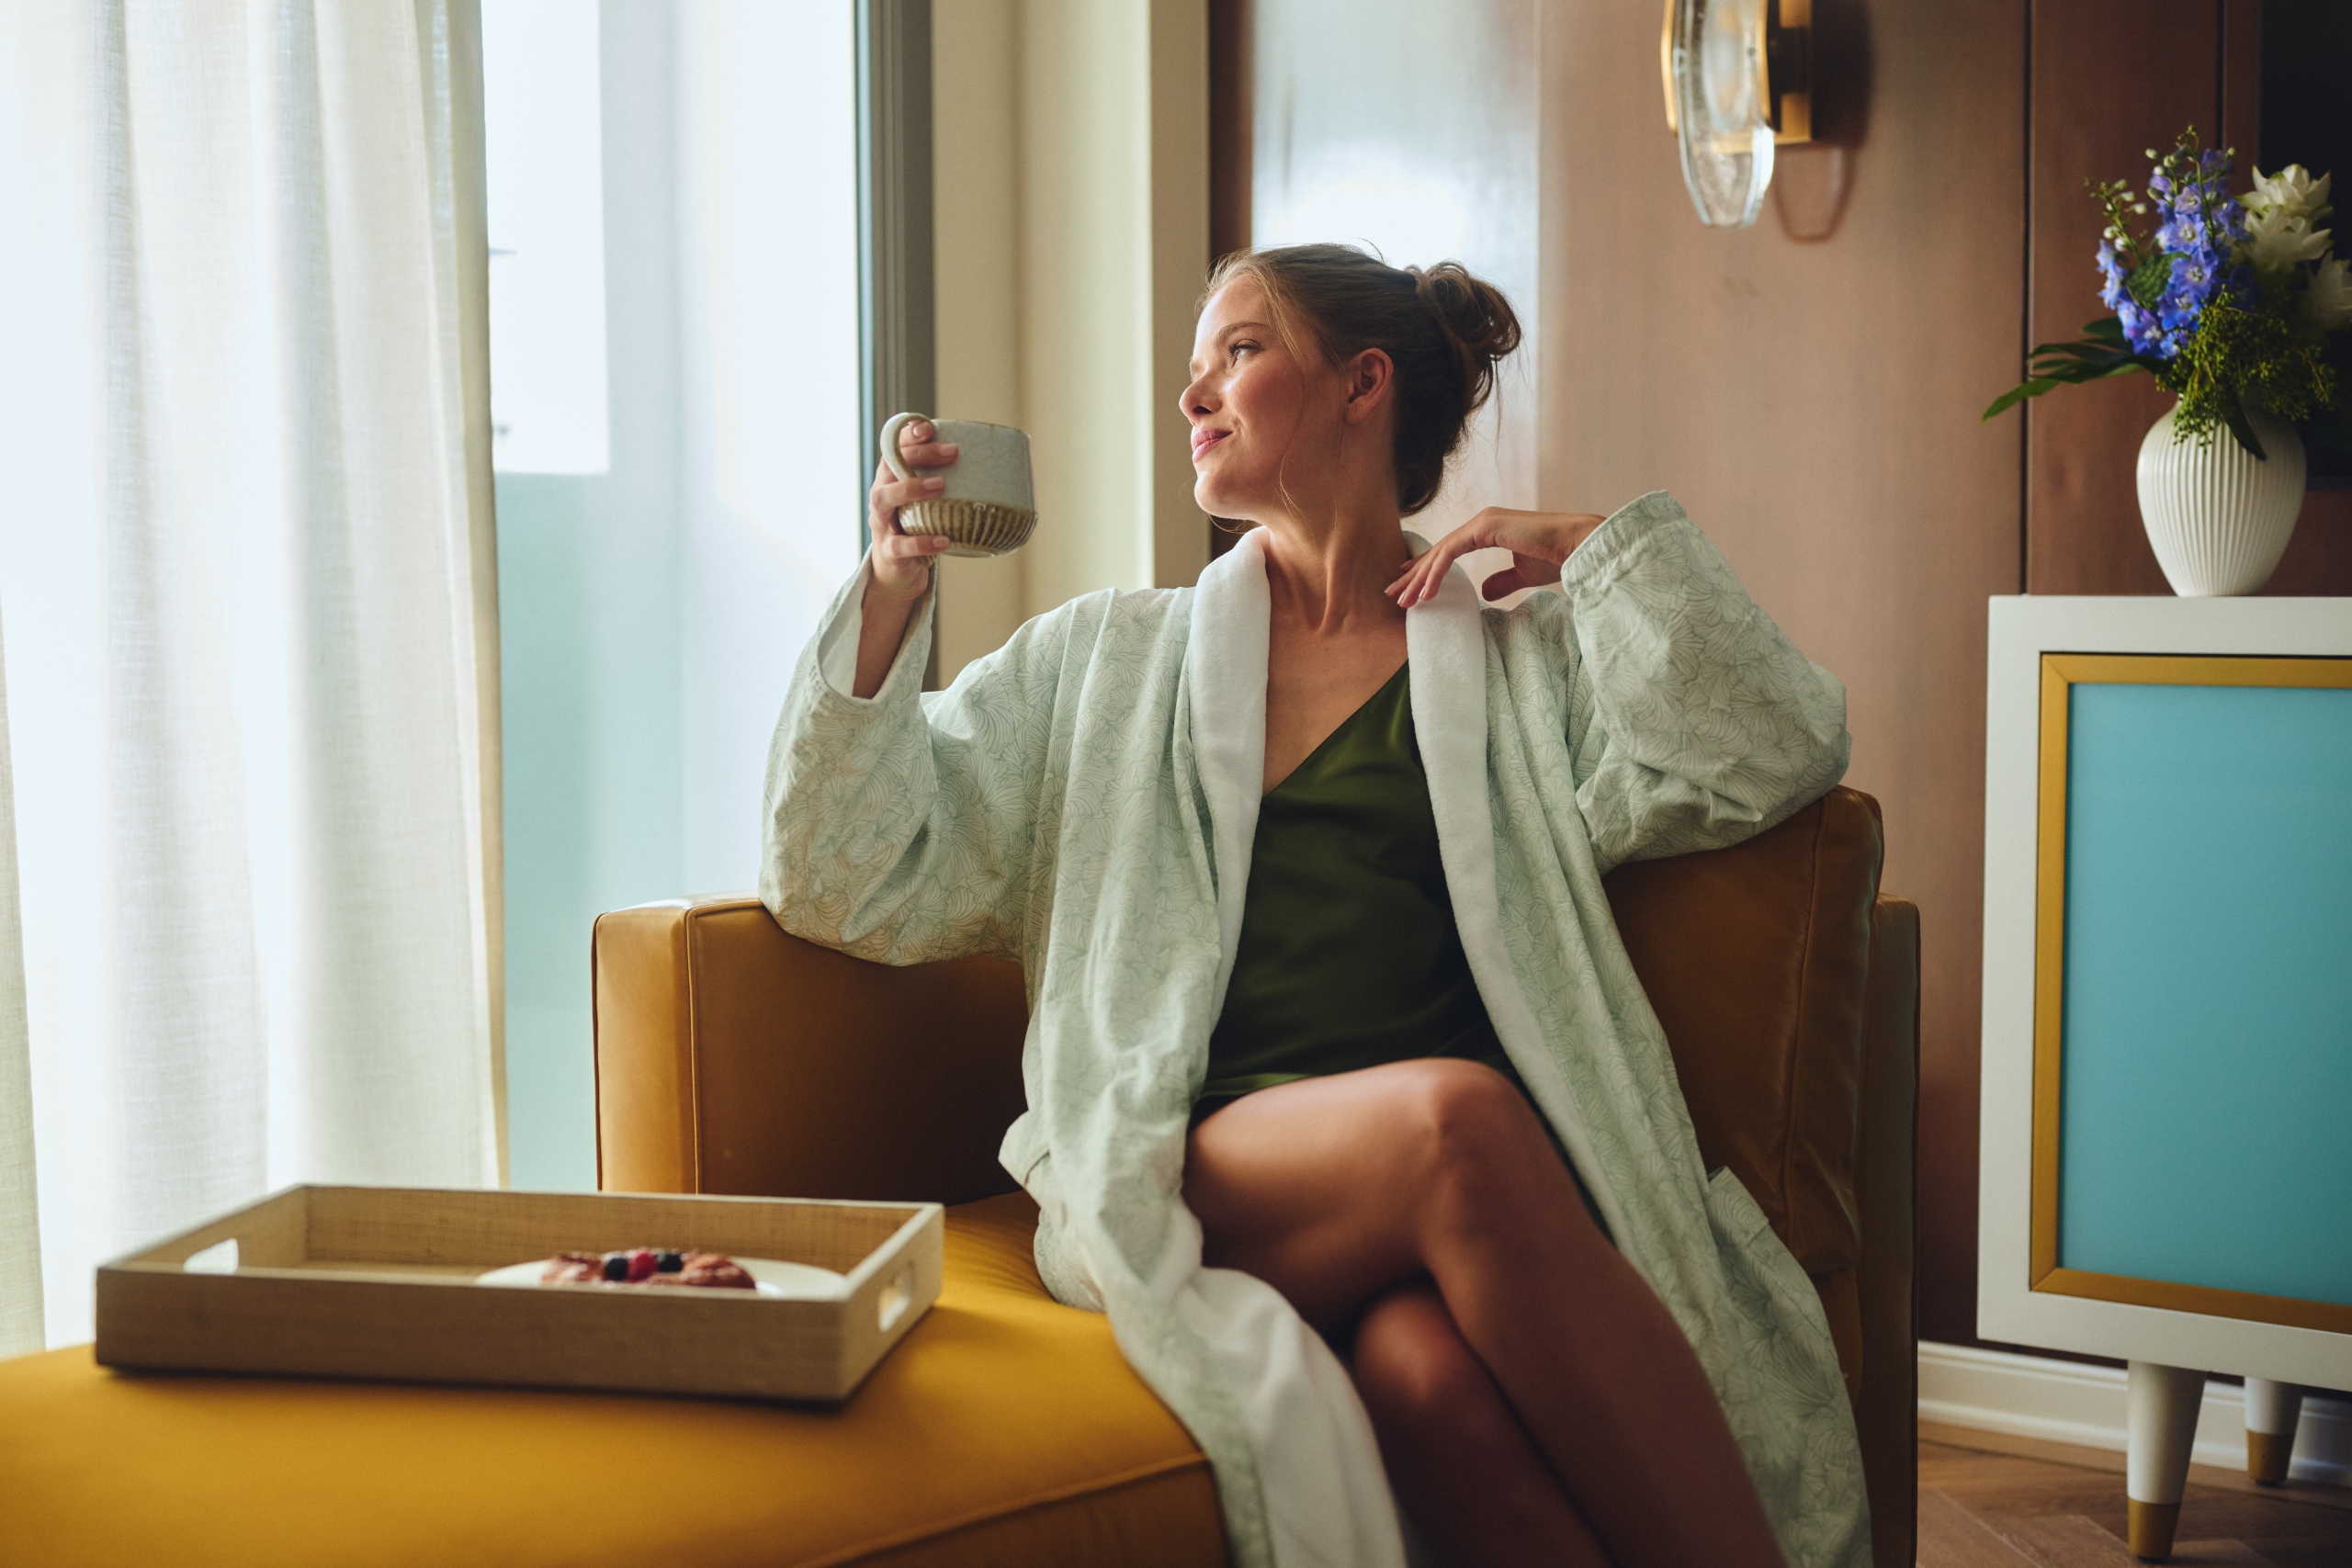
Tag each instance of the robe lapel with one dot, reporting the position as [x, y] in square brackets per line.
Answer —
[1225, 668]
[1446, 640]
[1447, 644]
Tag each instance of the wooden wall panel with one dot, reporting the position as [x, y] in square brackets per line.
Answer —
[2112, 78]
[1815, 402]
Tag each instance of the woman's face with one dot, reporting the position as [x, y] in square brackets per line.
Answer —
[1249, 404]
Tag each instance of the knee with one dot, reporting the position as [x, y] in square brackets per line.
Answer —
[1411, 1365]
[1473, 1135]
[1481, 1167]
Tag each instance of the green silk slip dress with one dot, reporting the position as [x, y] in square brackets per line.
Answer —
[1348, 956]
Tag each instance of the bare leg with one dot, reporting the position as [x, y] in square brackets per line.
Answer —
[1461, 1465]
[1336, 1189]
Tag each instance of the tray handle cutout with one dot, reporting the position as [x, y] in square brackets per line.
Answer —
[897, 1296]
[220, 1257]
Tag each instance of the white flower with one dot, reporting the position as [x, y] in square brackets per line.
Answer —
[2276, 239]
[2329, 300]
[2291, 191]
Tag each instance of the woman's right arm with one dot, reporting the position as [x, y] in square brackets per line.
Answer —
[898, 825]
[901, 561]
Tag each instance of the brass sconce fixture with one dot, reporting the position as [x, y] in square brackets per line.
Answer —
[1738, 81]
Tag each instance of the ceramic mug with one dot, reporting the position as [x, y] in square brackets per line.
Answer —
[989, 507]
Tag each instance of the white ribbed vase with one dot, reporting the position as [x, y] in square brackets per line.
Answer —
[2219, 517]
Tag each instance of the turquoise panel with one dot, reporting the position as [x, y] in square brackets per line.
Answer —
[2206, 1118]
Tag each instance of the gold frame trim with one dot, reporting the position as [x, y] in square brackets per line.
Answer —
[2059, 672]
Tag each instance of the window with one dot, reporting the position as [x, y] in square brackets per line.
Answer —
[675, 356]
[544, 143]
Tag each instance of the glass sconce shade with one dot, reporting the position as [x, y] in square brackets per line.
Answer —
[1723, 106]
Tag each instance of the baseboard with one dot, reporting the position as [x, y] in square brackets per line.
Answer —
[2067, 1402]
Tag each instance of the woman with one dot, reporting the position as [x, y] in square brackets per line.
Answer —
[1332, 1037]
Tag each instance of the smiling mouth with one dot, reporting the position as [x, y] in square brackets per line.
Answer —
[1205, 439]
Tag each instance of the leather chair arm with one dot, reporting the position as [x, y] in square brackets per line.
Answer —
[734, 1057]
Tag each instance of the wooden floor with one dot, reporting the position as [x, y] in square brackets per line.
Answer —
[1997, 1502]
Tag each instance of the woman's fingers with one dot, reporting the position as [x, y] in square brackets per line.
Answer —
[891, 496]
[1406, 589]
[917, 448]
[902, 560]
[928, 454]
[1426, 576]
[890, 492]
[898, 541]
[910, 551]
[1414, 585]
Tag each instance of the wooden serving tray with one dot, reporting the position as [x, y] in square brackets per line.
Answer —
[379, 1282]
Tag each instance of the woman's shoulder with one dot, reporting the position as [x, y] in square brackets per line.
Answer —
[1543, 614]
[1117, 610]
[1108, 621]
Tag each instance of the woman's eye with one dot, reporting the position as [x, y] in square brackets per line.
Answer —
[1240, 348]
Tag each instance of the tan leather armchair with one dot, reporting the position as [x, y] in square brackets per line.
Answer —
[731, 1058]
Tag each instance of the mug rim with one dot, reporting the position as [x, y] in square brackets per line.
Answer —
[938, 420]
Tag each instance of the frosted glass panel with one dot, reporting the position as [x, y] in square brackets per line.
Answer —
[2207, 1100]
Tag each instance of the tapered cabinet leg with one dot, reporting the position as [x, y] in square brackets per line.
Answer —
[2161, 1427]
[2271, 1412]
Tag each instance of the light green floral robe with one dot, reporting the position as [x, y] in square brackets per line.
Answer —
[1084, 800]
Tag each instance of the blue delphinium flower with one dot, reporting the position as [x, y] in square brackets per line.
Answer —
[2110, 267]
[2159, 286]
[2192, 281]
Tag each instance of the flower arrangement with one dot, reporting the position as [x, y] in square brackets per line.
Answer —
[2224, 299]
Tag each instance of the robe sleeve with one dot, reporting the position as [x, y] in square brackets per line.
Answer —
[1693, 722]
[900, 827]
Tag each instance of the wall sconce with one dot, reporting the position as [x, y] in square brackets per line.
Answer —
[1738, 79]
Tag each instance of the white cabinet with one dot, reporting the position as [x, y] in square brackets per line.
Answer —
[2167, 1157]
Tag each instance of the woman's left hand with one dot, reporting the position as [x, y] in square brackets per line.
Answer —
[1538, 542]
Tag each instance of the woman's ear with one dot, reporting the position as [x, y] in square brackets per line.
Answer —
[1369, 377]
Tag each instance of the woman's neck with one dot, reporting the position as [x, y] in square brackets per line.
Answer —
[1326, 574]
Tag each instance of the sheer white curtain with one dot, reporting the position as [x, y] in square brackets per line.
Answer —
[247, 570]
[20, 1307]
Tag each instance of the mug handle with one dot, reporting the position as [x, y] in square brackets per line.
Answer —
[889, 442]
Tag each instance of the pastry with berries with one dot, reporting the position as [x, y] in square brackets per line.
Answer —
[648, 1266]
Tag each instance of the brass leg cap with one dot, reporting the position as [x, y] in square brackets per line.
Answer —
[2266, 1454]
[2152, 1525]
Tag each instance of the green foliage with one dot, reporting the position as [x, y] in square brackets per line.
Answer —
[2272, 356]
[2146, 283]
[2100, 353]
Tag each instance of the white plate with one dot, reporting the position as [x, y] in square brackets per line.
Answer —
[798, 1282]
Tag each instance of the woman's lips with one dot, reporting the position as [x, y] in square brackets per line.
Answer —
[1205, 439]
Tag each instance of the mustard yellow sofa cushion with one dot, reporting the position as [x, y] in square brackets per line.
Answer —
[1006, 1429]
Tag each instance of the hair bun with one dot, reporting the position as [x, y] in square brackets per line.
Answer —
[1476, 318]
